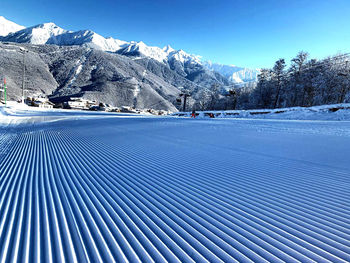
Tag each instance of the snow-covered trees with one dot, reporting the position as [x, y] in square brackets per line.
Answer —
[262, 95]
[208, 99]
[305, 83]
[278, 78]
[296, 80]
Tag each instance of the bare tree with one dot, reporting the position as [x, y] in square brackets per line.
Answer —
[278, 71]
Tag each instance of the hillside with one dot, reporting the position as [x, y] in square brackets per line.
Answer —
[64, 72]
[63, 64]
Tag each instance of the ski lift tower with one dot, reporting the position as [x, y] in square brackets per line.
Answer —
[3, 90]
[185, 94]
[23, 51]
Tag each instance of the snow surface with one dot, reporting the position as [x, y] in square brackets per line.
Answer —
[17, 113]
[112, 188]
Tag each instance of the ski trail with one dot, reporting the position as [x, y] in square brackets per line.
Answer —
[153, 190]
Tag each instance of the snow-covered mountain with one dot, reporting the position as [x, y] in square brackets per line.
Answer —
[169, 55]
[141, 49]
[179, 60]
[39, 34]
[7, 26]
[88, 38]
[183, 57]
[49, 33]
[233, 73]
[165, 55]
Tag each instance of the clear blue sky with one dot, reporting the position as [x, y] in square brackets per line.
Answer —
[251, 33]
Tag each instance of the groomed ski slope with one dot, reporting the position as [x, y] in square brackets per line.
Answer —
[142, 189]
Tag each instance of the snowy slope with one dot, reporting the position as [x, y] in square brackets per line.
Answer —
[89, 39]
[39, 34]
[183, 57]
[7, 26]
[175, 190]
[165, 54]
[141, 49]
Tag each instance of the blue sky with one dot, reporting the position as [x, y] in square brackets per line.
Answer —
[250, 33]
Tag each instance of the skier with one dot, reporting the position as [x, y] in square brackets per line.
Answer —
[193, 115]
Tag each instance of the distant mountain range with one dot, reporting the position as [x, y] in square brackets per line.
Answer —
[233, 73]
[86, 64]
[49, 33]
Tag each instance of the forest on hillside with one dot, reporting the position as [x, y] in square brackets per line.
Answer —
[306, 82]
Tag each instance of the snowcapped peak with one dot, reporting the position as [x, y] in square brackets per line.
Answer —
[7, 27]
[163, 55]
[38, 34]
[141, 49]
[41, 33]
[184, 57]
[87, 38]
[141, 44]
[137, 46]
[106, 44]
[168, 49]
[48, 25]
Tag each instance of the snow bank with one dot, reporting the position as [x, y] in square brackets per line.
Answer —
[324, 112]
[17, 113]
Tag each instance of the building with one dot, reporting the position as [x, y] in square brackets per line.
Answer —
[45, 104]
[79, 104]
[39, 101]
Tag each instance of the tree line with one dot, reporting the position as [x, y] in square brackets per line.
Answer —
[306, 82]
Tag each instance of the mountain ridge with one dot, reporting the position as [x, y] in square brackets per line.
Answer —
[50, 33]
[63, 64]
